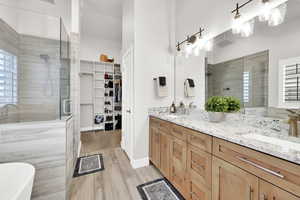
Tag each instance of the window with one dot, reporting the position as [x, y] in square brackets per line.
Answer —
[8, 78]
[289, 83]
[292, 82]
[246, 87]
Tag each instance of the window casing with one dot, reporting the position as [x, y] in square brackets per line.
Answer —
[8, 78]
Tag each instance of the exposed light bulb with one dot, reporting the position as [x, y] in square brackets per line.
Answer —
[237, 25]
[266, 12]
[247, 28]
[196, 51]
[179, 53]
[278, 15]
[188, 50]
[208, 45]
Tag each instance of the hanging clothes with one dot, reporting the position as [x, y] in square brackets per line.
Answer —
[118, 91]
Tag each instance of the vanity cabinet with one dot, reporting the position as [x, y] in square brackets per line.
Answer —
[198, 174]
[277, 171]
[202, 167]
[230, 182]
[178, 164]
[154, 144]
[271, 192]
[165, 147]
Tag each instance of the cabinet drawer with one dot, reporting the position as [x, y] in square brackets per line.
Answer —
[179, 132]
[276, 171]
[200, 140]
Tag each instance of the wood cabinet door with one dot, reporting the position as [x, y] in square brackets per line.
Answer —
[154, 146]
[178, 164]
[232, 183]
[165, 154]
[198, 174]
[271, 192]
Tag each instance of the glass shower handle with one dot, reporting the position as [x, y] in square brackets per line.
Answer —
[66, 102]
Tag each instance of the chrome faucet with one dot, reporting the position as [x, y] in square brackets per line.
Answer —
[191, 107]
[294, 118]
[182, 108]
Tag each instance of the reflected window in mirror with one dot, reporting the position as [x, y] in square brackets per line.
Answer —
[289, 83]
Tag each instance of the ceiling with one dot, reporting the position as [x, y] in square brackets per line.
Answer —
[102, 19]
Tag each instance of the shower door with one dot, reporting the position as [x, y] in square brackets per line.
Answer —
[65, 102]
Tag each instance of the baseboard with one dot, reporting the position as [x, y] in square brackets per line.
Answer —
[140, 163]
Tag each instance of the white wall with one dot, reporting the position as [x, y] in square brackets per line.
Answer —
[127, 24]
[153, 58]
[193, 67]
[101, 29]
[61, 8]
[36, 18]
[91, 47]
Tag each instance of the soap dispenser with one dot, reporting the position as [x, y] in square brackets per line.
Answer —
[173, 108]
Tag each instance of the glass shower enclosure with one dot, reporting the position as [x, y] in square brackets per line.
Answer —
[35, 96]
[34, 69]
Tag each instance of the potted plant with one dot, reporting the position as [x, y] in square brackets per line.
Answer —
[234, 104]
[216, 106]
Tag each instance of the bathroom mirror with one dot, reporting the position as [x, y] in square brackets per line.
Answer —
[262, 70]
[253, 68]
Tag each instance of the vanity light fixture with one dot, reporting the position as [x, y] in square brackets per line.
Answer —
[277, 15]
[266, 11]
[274, 16]
[238, 26]
[194, 44]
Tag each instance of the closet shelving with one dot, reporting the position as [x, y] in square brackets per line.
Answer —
[95, 76]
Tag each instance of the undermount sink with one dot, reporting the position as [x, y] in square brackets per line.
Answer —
[275, 141]
[171, 116]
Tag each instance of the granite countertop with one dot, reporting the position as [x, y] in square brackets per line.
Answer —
[266, 135]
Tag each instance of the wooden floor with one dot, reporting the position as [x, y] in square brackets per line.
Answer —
[117, 182]
[95, 141]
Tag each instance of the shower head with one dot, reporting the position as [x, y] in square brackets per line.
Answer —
[45, 57]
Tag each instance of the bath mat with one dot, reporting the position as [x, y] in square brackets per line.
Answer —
[160, 189]
[88, 164]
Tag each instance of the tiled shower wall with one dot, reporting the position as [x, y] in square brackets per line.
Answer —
[38, 79]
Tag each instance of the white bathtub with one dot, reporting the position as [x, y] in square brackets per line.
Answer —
[16, 180]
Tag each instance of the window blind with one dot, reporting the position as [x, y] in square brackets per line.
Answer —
[246, 87]
[8, 78]
[292, 83]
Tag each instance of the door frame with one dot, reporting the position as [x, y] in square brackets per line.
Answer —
[129, 137]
